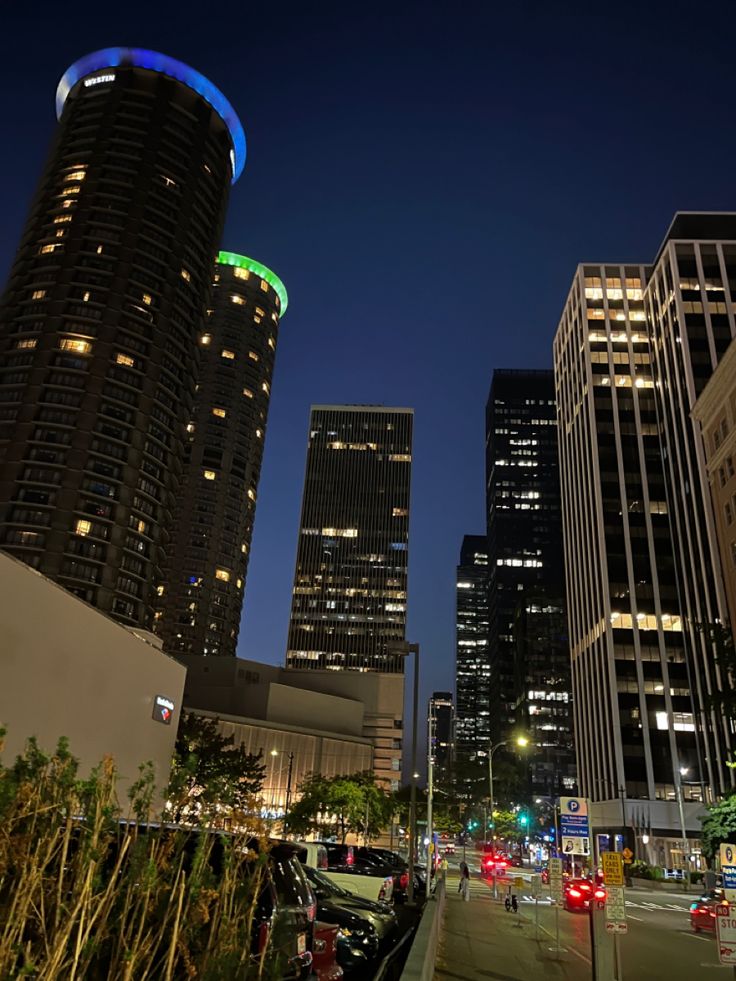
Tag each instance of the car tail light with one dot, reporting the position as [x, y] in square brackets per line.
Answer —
[489, 863]
[350, 858]
[600, 894]
[404, 880]
[503, 864]
[263, 932]
[584, 886]
[576, 893]
[311, 912]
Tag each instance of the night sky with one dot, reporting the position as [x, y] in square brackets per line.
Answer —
[424, 178]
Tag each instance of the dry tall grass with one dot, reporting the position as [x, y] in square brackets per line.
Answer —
[85, 895]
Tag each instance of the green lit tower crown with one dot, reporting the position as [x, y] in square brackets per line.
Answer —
[201, 593]
[101, 319]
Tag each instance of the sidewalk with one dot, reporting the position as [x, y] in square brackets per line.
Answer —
[479, 941]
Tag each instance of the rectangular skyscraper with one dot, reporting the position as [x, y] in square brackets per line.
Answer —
[472, 668]
[349, 601]
[633, 713]
[441, 736]
[690, 308]
[528, 651]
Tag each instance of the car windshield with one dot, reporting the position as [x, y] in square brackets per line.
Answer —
[323, 884]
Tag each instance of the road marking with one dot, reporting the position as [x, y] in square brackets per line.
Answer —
[562, 949]
[639, 918]
[694, 936]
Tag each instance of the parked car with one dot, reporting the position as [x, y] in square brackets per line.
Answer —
[324, 963]
[373, 925]
[580, 893]
[703, 910]
[348, 867]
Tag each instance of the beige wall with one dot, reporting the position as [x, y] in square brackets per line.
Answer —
[314, 710]
[314, 752]
[716, 412]
[68, 670]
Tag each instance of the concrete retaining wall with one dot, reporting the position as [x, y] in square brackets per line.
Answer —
[420, 962]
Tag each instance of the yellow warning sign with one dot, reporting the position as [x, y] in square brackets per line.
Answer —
[613, 868]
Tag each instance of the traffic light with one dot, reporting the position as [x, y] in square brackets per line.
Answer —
[523, 819]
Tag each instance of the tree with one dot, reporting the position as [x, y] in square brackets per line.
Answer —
[211, 777]
[339, 806]
[721, 640]
[719, 826]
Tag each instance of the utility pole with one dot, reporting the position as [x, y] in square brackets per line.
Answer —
[288, 788]
[404, 648]
[430, 794]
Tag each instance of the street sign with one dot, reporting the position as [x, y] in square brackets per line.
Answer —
[613, 868]
[555, 879]
[616, 909]
[726, 931]
[728, 871]
[574, 826]
[628, 855]
[518, 882]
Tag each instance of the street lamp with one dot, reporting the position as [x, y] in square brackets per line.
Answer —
[287, 803]
[404, 648]
[519, 741]
[684, 770]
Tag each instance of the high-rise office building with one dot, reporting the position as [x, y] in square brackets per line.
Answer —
[543, 706]
[690, 309]
[349, 601]
[472, 667]
[524, 524]
[634, 720]
[441, 735]
[201, 593]
[100, 322]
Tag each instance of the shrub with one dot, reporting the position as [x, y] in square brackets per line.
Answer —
[86, 895]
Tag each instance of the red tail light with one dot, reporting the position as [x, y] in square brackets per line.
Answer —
[489, 863]
[263, 932]
[600, 894]
[311, 912]
[350, 859]
[404, 880]
[576, 893]
[503, 864]
[585, 886]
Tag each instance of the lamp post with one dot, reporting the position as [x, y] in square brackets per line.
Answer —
[683, 830]
[519, 741]
[404, 648]
[287, 802]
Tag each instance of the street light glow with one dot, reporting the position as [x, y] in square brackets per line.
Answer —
[522, 741]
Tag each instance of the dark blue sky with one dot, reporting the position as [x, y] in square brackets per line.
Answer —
[424, 179]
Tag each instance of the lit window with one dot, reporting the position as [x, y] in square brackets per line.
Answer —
[400, 457]
[240, 583]
[340, 532]
[78, 347]
[219, 412]
[83, 527]
[264, 286]
[75, 175]
[190, 427]
[62, 219]
[261, 313]
[266, 388]
[69, 190]
[222, 574]
[147, 299]
[85, 297]
[236, 298]
[124, 359]
[205, 339]
[259, 433]
[272, 343]
[251, 494]
[595, 313]
[247, 392]
[45, 249]
[400, 512]
[244, 548]
[185, 274]
[209, 474]
[253, 356]
[230, 355]
[26, 343]
[142, 527]
[159, 590]
[60, 232]
[241, 273]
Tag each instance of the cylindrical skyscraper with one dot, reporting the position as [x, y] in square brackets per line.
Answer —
[100, 322]
[201, 595]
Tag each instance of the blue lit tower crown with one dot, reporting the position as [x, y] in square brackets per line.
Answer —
[100, 321]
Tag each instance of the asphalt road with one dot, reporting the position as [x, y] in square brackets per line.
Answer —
[660, 943]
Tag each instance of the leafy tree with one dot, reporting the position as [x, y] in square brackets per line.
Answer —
[719, 826]
[211, 777]
[724, 653]
[340, 806]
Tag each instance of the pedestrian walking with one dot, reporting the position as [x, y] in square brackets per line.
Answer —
[464, 888]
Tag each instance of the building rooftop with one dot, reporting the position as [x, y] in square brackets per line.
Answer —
[156, 62]
[694, 226]
[243, 262]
